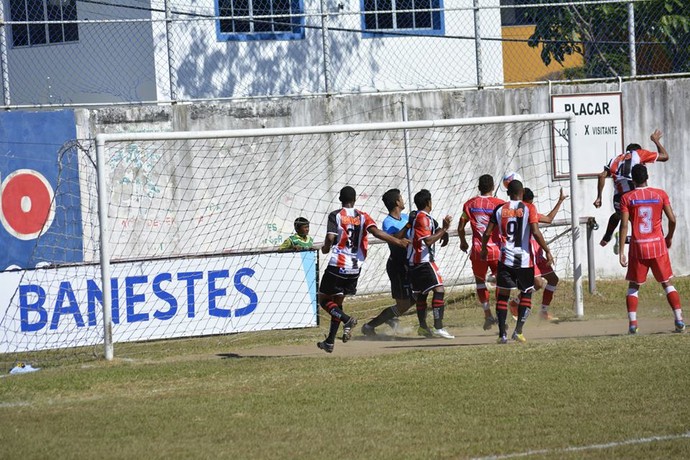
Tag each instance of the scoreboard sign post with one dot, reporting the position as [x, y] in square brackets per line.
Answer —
[599, 122]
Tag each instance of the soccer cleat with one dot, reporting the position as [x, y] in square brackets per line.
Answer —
[347, 329]
[513, 307]
[546, 316]
[393, 323]
[518, 337]
[442, 333]
[424, 332]
[325, 346]
[488, 322]
[368, 331]
[632, 330]
[680, 326]
[502, 339]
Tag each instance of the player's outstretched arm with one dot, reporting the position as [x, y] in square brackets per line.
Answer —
[622, 235]
[461, 233]
[380, 234]
[671, 224]
[536, 233]
[656, 138]
[547, 219]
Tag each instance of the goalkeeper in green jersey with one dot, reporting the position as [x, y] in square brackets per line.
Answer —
[301, 240]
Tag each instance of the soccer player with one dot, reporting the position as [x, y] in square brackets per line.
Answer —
[396, 224]
[301, 239]
[346, 241]
[619, 169]
[477, 212]
[648, 248]
[544, 276]
[517, 222]
[424, 274]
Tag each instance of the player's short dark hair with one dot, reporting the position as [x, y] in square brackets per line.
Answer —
[300, 222]
[422, 198]
[514, 188]
[347, 195]
[527, 194]
[486, 183]
[639, 174]
[632, 147]
[390, 198]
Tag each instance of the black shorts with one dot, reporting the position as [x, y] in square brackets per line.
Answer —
[509, 278]
[400, 283]
[335, 283]
[617, 201]
[424, 277]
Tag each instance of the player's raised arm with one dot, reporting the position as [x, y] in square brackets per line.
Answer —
[440, 232]
[547, 219]
[656, 138]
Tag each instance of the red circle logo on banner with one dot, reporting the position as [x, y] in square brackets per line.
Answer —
[26, 205]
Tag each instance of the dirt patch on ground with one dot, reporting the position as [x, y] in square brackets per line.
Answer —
[537, 331]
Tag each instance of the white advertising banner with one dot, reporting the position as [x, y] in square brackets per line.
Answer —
[61, 307]
[599, 124]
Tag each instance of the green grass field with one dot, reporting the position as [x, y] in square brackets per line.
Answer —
[611, 396]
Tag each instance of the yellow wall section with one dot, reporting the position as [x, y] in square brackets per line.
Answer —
[523, 64]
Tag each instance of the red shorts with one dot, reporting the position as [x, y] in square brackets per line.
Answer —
[638, 269]
[541, 268]
[481, 267]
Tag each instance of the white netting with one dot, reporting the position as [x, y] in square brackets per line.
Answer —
[185, 206]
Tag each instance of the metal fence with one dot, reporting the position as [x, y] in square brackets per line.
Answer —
[102, 52]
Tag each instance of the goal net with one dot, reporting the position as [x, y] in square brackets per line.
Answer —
[190, 223]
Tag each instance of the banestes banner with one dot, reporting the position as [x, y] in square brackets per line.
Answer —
[40, 212]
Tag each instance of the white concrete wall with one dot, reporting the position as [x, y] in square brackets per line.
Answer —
[646, 106]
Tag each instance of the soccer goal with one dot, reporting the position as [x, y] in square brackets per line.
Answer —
[181, 229]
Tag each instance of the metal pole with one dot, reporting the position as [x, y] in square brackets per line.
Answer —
[578, 302]
[631, 39]
[591, 271]
[326, 49]
[406, 136]
[105, 249]
[3, 58]
[478, 45]
[172, 79]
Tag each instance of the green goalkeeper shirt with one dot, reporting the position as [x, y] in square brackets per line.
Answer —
[298, 243]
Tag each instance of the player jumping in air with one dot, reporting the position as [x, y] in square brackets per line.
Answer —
[346, 241]
[619, 169]
[424, 274]
[477, 211]
[643, 208]
[517, 221]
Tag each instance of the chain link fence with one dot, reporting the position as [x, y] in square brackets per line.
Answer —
[98, 52]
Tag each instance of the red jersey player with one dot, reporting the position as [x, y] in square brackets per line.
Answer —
[643, 208]
[424, 274]
[517, 222]
[477, 211]
[619, 169]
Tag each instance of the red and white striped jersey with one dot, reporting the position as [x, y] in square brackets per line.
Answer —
[350, 227]
[645, 206]
[620, 167]
[513, 220]
[478, 211]
[418, 252]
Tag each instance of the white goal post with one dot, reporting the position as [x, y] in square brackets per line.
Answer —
[186, 142]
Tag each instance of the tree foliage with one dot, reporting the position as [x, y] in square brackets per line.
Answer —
[599, 32]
